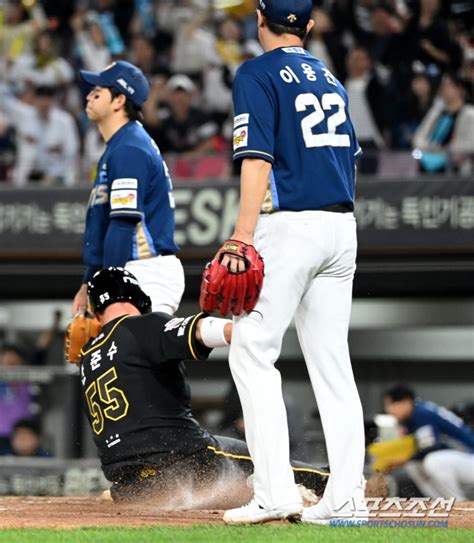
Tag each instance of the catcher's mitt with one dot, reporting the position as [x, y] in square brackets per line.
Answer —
[82, 328]
[230, 292]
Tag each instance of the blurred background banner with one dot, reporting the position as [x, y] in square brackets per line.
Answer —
[429, 215]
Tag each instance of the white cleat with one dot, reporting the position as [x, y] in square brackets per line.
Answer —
[308, 496]
[252, 513]
[320, 514]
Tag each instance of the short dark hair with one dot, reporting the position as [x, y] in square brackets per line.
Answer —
[132, 111]
[279, 30]
[456, 79]
[399, 392]
[28, 424]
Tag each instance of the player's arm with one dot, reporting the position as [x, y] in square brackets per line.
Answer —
[213, 332]
[254, 128]
[253, 185]
[453, 426]
[128, 172]
[190, 338]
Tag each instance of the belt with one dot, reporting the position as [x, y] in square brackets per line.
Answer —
[337, 208]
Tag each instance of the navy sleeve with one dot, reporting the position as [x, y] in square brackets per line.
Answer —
[118, 241]
[453, 426]
[89, 273]
[254, 121]
[129, 176]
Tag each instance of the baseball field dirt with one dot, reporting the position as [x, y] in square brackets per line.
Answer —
[79, 512]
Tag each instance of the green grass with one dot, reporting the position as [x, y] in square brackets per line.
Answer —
[237, 534]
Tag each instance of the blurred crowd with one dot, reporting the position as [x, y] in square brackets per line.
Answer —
[20, 402]
[408, 67]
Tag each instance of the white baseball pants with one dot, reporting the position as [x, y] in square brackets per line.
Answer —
[309, 267]
[162, 278]
[443, 473]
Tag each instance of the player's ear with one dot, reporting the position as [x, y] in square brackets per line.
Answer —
[119, 102]
[260, 19]
[309, 26]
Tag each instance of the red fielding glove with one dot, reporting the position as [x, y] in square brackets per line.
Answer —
[232, 292]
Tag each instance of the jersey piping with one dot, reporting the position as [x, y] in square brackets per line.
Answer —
[84, 353]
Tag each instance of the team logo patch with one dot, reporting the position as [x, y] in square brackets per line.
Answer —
[241, 119]
[125, 183]
[241, 137]
[173, 324]
[230, 246]
[147, 472]
[292, 18]
[123, 199]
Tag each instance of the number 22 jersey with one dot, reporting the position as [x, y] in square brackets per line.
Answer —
[292, 112]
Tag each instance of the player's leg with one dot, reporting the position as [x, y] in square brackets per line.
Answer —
[322, 323]
[235, 453]
[448, 470]
[238, 453]
[162, 278]
[416, 472]
[256, 345]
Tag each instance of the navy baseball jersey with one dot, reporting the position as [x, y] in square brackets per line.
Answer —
[291, 111]
[132, 182]
[430, 423]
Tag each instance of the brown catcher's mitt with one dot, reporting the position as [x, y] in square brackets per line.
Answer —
[82, 328]
[230, 292]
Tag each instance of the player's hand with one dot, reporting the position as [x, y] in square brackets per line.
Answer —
[79, 304]
[234, 263]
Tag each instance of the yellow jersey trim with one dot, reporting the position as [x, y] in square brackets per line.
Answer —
[310, 470]
[190, 341]
[254, 151]
[229, 455]
[106, 338]
[241, 457]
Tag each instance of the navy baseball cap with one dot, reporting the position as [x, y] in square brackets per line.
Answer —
[123, 76]
[291, 13]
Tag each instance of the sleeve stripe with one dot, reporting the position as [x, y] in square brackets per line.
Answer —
[190, 337]
[126, 212]
[358, 151]
[254, 151]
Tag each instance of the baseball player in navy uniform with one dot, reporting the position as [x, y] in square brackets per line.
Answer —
[298, 149]
[130, 217]
[137, 399]
[437, 468]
